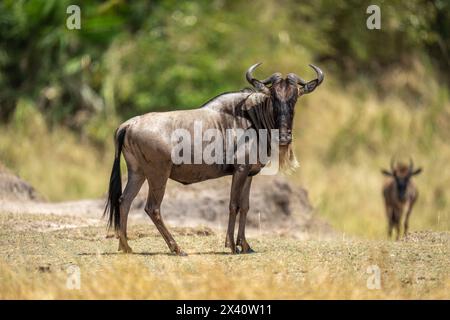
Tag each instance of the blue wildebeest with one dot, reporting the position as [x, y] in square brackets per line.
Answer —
[399, 191]
[147, 146]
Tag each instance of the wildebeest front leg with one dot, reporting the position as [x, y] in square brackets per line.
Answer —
[408, 213]
[390, 218]
[243, 209]
[239, 177]
[398, 212]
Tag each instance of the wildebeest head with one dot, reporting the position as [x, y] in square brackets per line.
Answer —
[284, 93]
[402, 174]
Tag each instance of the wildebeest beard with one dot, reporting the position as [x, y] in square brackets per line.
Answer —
[262, 116]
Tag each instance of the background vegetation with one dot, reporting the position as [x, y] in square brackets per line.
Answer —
[62, 92]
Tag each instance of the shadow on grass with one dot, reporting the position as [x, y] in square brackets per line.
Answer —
[123, 254]
[218, 253]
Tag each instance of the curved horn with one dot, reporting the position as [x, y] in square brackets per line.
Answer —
[249, 72]
[392, 164]
[411, 165]
[260, 84]
[319, 72]
[255, 82]
[308, 87]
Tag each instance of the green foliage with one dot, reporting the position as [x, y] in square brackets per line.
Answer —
[131, 58]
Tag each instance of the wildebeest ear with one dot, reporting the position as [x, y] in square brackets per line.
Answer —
[309, 87]
[254, 99]
[417, 171]
[386, 173]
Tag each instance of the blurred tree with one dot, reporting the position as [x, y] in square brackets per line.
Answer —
[134, 57]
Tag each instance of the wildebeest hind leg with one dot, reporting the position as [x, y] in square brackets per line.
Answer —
[134, 184]
[156, 189]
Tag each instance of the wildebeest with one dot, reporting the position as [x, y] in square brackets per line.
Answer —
[399, 191]
[145, 142]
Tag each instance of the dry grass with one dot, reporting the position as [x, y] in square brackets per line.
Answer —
[34, 265]
[58, 163]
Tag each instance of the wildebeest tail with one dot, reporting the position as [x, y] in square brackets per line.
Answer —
[112, 208]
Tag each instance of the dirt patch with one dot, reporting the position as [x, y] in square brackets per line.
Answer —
[20, 222]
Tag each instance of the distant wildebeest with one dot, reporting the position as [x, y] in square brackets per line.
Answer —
[399, 191]
[147, 148]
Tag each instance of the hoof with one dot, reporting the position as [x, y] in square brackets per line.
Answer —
[125, 249]
[236, 251]
[181, 253]
[245, 249]
[249, 250]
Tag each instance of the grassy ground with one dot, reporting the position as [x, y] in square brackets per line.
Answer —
[36, 263]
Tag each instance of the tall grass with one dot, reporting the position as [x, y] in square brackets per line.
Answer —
[61, 165]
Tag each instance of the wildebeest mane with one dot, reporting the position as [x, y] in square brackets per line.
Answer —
[225, 93]
[261, 116]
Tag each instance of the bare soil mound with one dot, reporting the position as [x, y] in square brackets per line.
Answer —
[275, 204]
[14, 188]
